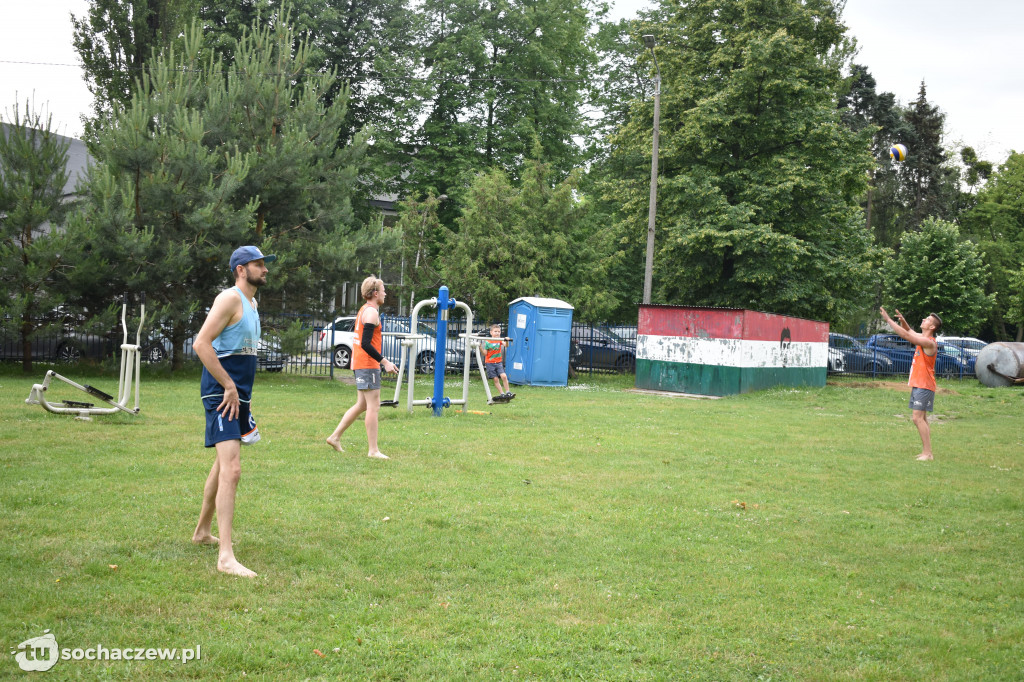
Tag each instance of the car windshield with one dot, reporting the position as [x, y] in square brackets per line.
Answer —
[614, 337]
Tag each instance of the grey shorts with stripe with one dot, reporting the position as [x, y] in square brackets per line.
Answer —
[367, 379]
[922, 399]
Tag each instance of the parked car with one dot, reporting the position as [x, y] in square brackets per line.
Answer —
[836, 364]
[947, 364]
[599, 348]
[426, 348]
[337, 339]
[969, 344]
[961, 355]
[268, 351]
[424, 351]
[269, 357]
[858, 359]
[59, 341]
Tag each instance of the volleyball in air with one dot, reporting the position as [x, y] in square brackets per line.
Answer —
[898, 152]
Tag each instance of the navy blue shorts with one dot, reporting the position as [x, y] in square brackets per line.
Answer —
[219, 428]
[494, 369]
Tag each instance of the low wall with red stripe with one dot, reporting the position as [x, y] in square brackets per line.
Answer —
[722, 351]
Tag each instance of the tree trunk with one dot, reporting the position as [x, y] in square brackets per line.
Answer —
[177, 348]
[26, 342]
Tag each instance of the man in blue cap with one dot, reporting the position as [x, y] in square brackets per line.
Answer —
[226, 345]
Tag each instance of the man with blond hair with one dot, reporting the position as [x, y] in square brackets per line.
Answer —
[367, 362]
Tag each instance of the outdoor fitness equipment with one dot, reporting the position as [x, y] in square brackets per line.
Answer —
[438, 401]
[131, 362]
[474, 341]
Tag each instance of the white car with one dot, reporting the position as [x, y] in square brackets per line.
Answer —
[338, 339]
[968, 344]
[836, 362]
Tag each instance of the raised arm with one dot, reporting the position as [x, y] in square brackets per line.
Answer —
[916, 338]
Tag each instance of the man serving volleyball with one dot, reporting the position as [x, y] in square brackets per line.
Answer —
[922, 372]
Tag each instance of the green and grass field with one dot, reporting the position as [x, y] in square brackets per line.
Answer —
[587, 532]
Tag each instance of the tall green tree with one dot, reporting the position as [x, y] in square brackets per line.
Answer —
[531, 240]
[370, 47]
[862, 107]
[759, 179]
[115, 38]
[34, 250]
[500, 75]
[210, 156]
[996, 225]
[929, 183]
[937, 271]
[1014, 313]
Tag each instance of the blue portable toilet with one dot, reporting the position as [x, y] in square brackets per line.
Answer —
[540, 329]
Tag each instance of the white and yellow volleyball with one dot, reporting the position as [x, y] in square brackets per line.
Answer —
[898, 152]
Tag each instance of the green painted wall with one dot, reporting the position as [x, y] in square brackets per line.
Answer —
[684, 377]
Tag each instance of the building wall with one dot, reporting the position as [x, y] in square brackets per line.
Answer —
[719, 351]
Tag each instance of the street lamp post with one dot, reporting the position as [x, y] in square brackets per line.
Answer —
[652, 209]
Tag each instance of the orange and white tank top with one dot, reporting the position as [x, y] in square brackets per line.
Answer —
[360, 358]
[922, 372]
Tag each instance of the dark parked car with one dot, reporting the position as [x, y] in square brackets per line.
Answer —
[56, 342]
[857, 358]
[597, 348]
[947, 362]
[268, 351]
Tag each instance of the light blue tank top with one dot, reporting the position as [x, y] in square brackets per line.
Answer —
[241, 337]
[236, 349]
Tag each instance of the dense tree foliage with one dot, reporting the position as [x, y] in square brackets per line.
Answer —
[208, 157]
[929, 182]
[499, 76]
[33, 251]
[115, 38]
[759, 183]
[517, 135]
[523, 241]
[936, 271]
[996, 224]
[370, 49]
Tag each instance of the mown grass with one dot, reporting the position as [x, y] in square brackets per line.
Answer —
[588, 532]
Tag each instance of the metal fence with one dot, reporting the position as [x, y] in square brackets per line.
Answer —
[304, 345]
[887, 355]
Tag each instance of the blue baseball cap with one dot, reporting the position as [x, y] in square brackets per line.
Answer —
[247, 254]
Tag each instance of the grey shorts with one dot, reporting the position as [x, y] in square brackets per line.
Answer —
[922, 399]
[494, 369]
[367, 379]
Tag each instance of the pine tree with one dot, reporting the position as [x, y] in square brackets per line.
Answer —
[929, 185]
[34, 250]
[208, 157]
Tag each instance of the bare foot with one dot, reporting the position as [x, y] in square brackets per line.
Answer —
[204, 539]
[378, 455]
[232, 567]
[336, 444]
[925, 457]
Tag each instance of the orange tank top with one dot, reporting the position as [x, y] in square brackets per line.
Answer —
[360, 358]
[922, 372]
